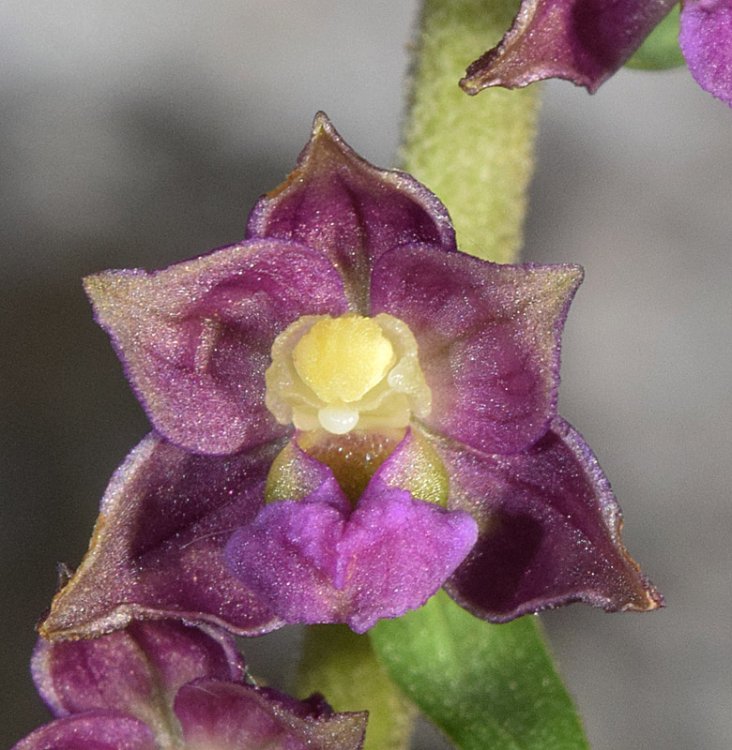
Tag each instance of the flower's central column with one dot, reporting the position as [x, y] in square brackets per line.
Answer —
[341, 360]
[344, 374]
[350, 385]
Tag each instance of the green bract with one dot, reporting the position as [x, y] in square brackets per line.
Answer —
[486, 686]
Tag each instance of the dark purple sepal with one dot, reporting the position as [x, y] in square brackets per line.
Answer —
[549, 531]
[94, 730]
[157, 549]
[138, 670]
[195, 338]
[215, 714]
[583, 41]
[318, 561]
[488, 337]
[706, 41]
[338, 203]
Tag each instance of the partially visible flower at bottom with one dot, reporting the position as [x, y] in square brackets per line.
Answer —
[587, 41]
[163, 685]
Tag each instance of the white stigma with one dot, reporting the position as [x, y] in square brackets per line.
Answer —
[338, 419]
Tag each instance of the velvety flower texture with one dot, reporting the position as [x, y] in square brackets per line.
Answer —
[426, 448]
[586, 41]
[706, 41]
[163, 685]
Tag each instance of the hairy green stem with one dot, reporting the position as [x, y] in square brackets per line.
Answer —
[476, 153]
[341, 665]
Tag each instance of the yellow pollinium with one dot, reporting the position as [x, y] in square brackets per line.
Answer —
[346, 373]
[341, 359]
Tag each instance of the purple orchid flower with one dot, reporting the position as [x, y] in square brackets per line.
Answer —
[348, 414]
[586, 41]
[160, 685]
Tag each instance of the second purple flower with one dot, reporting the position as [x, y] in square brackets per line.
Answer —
[587, 41]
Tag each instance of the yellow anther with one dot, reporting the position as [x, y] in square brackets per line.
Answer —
[346, 374]
[341, 359]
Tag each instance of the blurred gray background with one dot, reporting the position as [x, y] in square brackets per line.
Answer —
[140, 133]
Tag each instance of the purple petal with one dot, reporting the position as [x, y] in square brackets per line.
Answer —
[338, 203]
[316, 561]
[583, 41]
[138, 670]
[157, 550]
[96, 730]
[225, 715]
[549, 531]
[488, 338]
[706, 41]
[196, 337]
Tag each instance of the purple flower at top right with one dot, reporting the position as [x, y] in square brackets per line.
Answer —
[586, 41]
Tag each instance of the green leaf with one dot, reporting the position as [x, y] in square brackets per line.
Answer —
[661, 48]
[486, 686]
[341, 665]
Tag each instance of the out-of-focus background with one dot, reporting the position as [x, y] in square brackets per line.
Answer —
[138, 133]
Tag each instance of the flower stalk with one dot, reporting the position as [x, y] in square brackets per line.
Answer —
[340, 663]
[475, 153]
